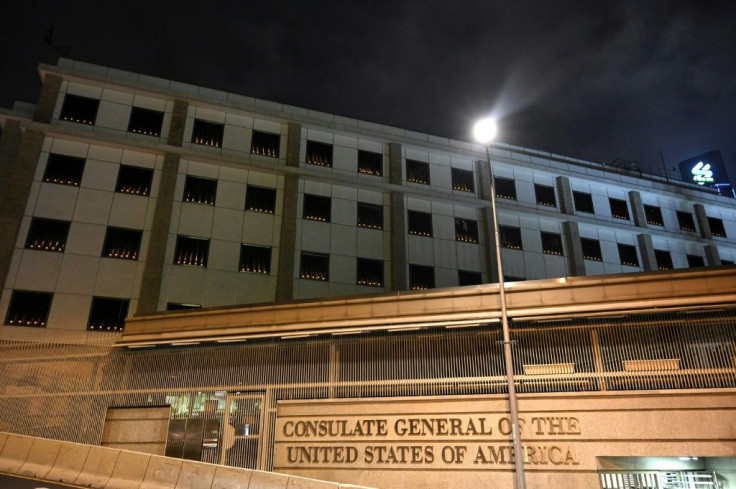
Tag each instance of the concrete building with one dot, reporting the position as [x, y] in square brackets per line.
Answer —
[276, 265]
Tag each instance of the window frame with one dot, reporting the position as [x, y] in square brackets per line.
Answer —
[552, 250]
[625, 254]
[373, 207]
[544, 200]
[317, 208]
[192, 183]
[107, 252]
[416, 171]
[591, 242]
[79, 99]
[369, 276]
[60, 164]
[204, 243]
[321, 259]
[370, 163]
[143, 113]
[462, 180]
[265, 144]
[469, 235]
[135, 176]
[721, 231]
[119, 325]
[56, 233]
[40, 321]
[579, 197]
[507, 184]
[651, 213]
[689, 224]
[700, 261]
[467, 273]
[247, 250]
[319, 154]
[507, 237]
[210, 133]
[659, 257]
[421, 269]
[619, 209]
[260, 193]
[417, 222]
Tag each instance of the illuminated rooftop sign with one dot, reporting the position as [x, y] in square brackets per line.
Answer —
[706, 169]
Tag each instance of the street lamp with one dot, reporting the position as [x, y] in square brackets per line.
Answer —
[484, 131]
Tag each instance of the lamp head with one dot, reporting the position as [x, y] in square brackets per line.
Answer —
[485, 130]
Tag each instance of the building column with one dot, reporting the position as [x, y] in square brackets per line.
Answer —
[19, 154]
[178, 121]
[712, 257]
[47, 99]
[646, 247]
[564, 194]
[394, 164]
[287, 241]
[703, 223]
[399, 272]
[637, 209]
[483, 171]
[573, 248]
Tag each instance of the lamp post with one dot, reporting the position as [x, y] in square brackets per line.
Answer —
[484, 131]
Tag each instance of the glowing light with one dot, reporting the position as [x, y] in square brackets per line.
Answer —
[702, 173]
[485, 130]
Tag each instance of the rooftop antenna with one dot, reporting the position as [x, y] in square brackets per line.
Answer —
[49, 38]
[664, 167]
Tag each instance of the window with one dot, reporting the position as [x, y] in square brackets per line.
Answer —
[686, 222]
[370, 216]
[583, 202]
[134, 180]
[47, 235]
[716, 227]
[591, 249]
[200, 190]
[664, 259]
[107, 314]
[255, 259]
[29, 308]
[78, 109]
[180, 306]
[552, 244]
[545, 195]
[465, 277]
[417, 172]
[207, 133]
[319, 154]
[260, 199]
[370, 272]
[146, 121]
[466, 230]
[191, 251]
[123, 244]
[370, 163]
[420, 223]
[695, 261]
[64, 170]
[505, 188]
[513, 278]
[510, 237]
[265, 144]
[317, 208]
[421, 277]
[654, 215]
[726, 262]
[619, 209]
[462, 180]
[627, 255]
[314, 266]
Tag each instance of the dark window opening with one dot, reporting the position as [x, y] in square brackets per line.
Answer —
[260, 199]
[146, 121]
[545, 195]
[29, 309]
[64, 170]
[716, 227]
[420, 223]
[82, 110]
[627, 255]
[317, 208]
[695, 261]
[191, 251]
[107, 314]
[255, 259]
[462, 180]
[181, 306]
[134, 180]
[552, 244]
[123, 244]
[513, 278]
[421, 277]
[583, 202]
[207, 133]
[654, 215]
[417, 172]
[370, 272]
[510, 237]
[591, 249]
[370, 216]
[465, 277]
[726, 262]
[370, 163]
[505, 188]
[47, 235]
[686, 222]
[200, 190]
[664, 259]
[466, 230]
[319, 154]
[266, 144]
[314, 266]
[619, 209]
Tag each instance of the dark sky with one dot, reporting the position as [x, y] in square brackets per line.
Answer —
[592, 79]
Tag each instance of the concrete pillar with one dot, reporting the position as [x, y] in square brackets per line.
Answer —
[702, 218]
[47, 100]
[573, 248]
[287, 247]
[293, 144]
[483, 172]
[394, 164]
[712, 257]
[637, 209]
[398, 242]
[646, 247]
[153, 271]
[178, 121]
[19, 153]
[564, 195]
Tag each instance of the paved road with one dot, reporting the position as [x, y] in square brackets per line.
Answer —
[10, 482]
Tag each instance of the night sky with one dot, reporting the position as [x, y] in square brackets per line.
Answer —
[590, 79]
